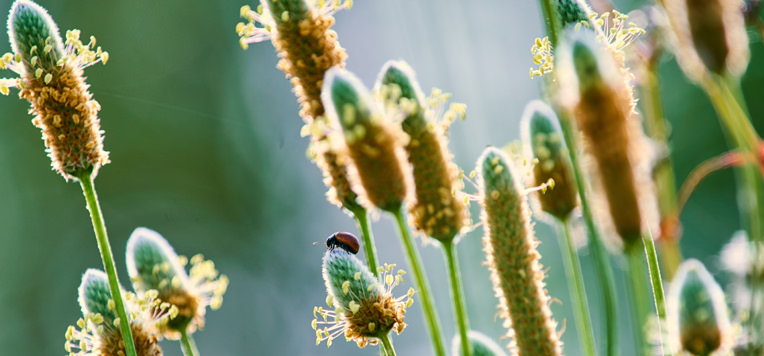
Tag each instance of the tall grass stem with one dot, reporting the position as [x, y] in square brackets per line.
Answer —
[420, 279]
[457, 293]
[577, 289]
[91, 197]
[640, 304]
[600, 254]
[387, 346]
[367, 238]
[655, 279]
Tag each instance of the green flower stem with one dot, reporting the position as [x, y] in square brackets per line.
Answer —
[425, 296]
[655, 280]
[387, 346]
[577, 290]
[457, 293]
[94, 207]
[551, 20]
[369, 248]
[655, 125]
[601, 257]
[188, 345]
[728, 101]
[640, 304]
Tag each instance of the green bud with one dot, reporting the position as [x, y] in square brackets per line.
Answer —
[33, 33]
[698, 320]
[343, 281]
[481, 345]
[543, 141]
[571, 12]
[287, 11]
[95, 296]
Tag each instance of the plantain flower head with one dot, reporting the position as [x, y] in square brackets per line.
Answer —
[153, 265]
[361, 307]
[51, 78]
[97, 332]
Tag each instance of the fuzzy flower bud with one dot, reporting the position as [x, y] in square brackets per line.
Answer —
[51, 79]
[363, 307]
[372, 142]
[153, 265]
[439, 210]
[572, 12]
[543, 141]
[510, 247]
[594, 89]
[710, 36]
[98, 334]
[698, 321]
[481, 345]
[300, 30]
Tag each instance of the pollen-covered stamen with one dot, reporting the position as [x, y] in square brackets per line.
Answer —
[257, 28]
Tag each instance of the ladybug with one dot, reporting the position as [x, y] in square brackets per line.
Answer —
[343, 240]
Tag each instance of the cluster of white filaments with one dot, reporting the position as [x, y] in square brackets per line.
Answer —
[330, 324]
[613, 28]
[206, 282]
[438, 110]
[76, 54]
[260, 24]
[91, 332]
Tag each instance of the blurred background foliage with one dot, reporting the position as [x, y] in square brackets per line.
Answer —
[205, 148]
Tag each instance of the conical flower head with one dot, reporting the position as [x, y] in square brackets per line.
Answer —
[439, 210]
[51, 79]
[371, 141]
[481, 345]
[364, 308]
[543, 141]
[510, 247]
[697, 312]
[595, 90]
[710, 37]
[153, 265]
[98, 334]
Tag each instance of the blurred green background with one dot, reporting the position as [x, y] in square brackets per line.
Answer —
[205, 148]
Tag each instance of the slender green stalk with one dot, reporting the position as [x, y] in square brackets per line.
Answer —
[457, 293]
[420, 279]
[188, 345]
[551, 20]
[107, 257]
[655, 125]
[601, 257]
[387, 346]
[577, 290]
[728, 101]
[369, 248]
[640, 304]
[655, 280]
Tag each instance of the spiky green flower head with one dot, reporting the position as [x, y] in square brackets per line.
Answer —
[371, 141]
[153, 265]
[698, 320]
[543, 142]
[709, 37]
[510, 247]
[594, 90]
[481, 345]
[363, 307]
[98, 334]
[51, 79]
[439, 210]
